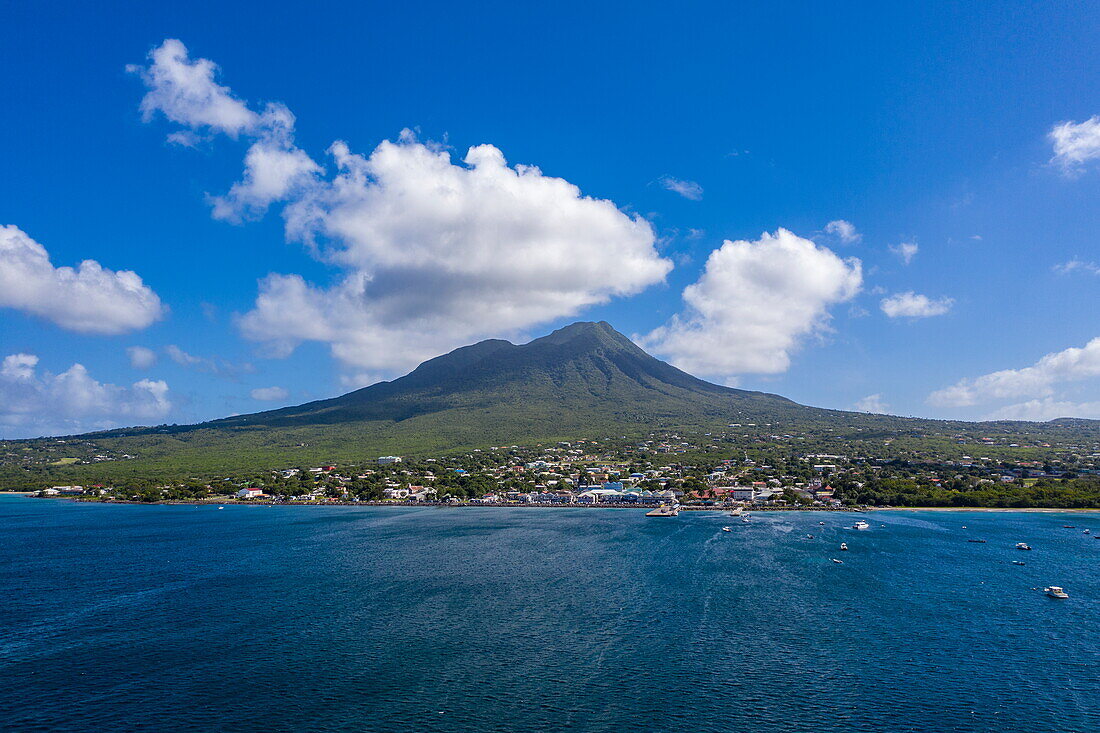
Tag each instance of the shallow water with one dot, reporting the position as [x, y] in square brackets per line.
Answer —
[431, 619]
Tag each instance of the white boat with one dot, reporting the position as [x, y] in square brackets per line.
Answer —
[726, 529]
[1017, 562]
[838, 562]
[809, 536]
[1023, 546]
[861, 525]
[737, 512]
[1087, 531]
[844, 545]
[821, 523]
[1055, 591]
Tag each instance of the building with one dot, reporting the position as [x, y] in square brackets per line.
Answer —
[250, 494]
[387, 460]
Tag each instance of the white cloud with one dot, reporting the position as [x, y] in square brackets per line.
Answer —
[1037, 380]
[72, 401]
[87, 299]
[754, 303]
[843, 230]
[872, 403]
[274, 170]
[269, 394]
[1046, 409]
[1075, 143]
[435, 254]
[186, 93]
[905, 251]
[687, 189]
[141, 357]
[914, 305]
[358, 380]
[1076, 265]
[431, 253]
[219, 367]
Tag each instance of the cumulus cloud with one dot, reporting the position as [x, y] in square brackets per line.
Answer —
[872, 403]
[915, 305]
[33, 403]
[754, 303]
[1037, 380]
[843, 230]
[1076, 265]
[430, 253]
[269, 394]
[905, 251]
[687, 189]
[1075, 143]
[88, 298]
[141, 357]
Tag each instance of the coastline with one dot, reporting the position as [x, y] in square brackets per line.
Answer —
[226, 501]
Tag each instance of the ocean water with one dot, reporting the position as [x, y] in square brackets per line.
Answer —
[165, 618]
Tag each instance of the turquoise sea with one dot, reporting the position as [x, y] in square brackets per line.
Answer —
[194, 618]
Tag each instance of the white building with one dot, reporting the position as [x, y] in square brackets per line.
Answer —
[387, 460]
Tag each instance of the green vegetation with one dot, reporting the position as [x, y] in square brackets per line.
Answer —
[584, 381]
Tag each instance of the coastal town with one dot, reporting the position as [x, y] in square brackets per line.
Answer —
[671, 469]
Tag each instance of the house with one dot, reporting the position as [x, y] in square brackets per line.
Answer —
[250, 494]
[396, 493]
[388, 460]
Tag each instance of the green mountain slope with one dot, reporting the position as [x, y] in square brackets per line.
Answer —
[582, 381]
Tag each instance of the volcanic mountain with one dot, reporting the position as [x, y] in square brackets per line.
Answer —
[583, 374]
[586, 380]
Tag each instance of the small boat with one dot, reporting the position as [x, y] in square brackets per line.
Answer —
[1055, 591]
[1087, 531]
[221, 507]
[1017, 562]
[838, 562]
[844, 546]
[726, 529]
[809, 536]
[1069, 526]
[821, 523]
[979, 542]
[737, 512]
[861, 525]
[1023, 546]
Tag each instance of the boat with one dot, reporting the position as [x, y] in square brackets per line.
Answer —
[861, 525]
[726, 529]
[1017, 562]
[1087, 531]
[1055, 591]
[979, 542]
[809, 536]
[821, 523]
[1069, 526]
[665, 510]
[844, 546]
[838, 562]
[737, 512]
[1023, 546]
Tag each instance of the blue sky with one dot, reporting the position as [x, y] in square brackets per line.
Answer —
[658, 135]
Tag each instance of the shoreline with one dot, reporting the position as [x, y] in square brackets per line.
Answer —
[687, 508]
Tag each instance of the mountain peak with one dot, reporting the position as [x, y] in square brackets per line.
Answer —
[587, 334]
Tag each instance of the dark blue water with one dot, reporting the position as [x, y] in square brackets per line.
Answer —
[335, 618]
